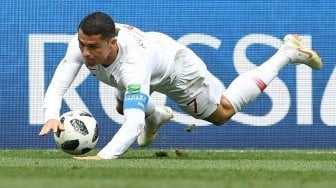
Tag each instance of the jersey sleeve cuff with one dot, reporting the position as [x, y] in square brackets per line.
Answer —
[50, 115]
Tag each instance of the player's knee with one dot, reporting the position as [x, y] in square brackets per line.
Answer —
[220, 121]
[223, 113]
[219, 117]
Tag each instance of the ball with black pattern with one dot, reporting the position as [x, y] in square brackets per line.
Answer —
[80, 135]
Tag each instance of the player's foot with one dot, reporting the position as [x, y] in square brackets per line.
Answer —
[150, 130]
[299, 53]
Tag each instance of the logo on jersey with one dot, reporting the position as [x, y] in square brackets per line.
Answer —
[133, 88]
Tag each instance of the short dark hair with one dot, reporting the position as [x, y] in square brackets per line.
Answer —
[98, 23]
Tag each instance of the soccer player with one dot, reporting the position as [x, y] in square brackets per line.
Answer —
[137, 63]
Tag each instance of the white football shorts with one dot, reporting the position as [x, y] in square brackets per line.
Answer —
[192, 86]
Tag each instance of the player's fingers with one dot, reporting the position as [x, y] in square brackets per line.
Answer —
[44, 131]
[61, 127]
[57, 127]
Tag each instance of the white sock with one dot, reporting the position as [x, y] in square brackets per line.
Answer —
[279, 60]
[153, 116]
[154, 119]
[246, 87]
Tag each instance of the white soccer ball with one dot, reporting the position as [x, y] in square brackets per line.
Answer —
[80, 135]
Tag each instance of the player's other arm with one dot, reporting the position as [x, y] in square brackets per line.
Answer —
[64, 75]
[61, 81]
[123, 139]
[134, 107]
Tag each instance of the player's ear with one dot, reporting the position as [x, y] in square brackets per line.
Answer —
[112, 42]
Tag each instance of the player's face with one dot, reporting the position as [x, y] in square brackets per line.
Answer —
[95, 50]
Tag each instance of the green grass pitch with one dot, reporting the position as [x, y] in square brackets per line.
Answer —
[187, 169]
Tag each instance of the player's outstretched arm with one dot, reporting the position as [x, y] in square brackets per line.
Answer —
[52, 124]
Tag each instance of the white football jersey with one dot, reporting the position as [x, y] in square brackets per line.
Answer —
[143, 59]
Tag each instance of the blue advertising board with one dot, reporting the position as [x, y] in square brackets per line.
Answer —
[296, 111]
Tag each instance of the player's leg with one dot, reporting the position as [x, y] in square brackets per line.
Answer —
[155, 118]
[246, 87]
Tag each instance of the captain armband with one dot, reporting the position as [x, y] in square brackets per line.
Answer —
[135, 99]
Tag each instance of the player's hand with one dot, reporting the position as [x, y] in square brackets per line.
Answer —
[52, 124]
[92, 158]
